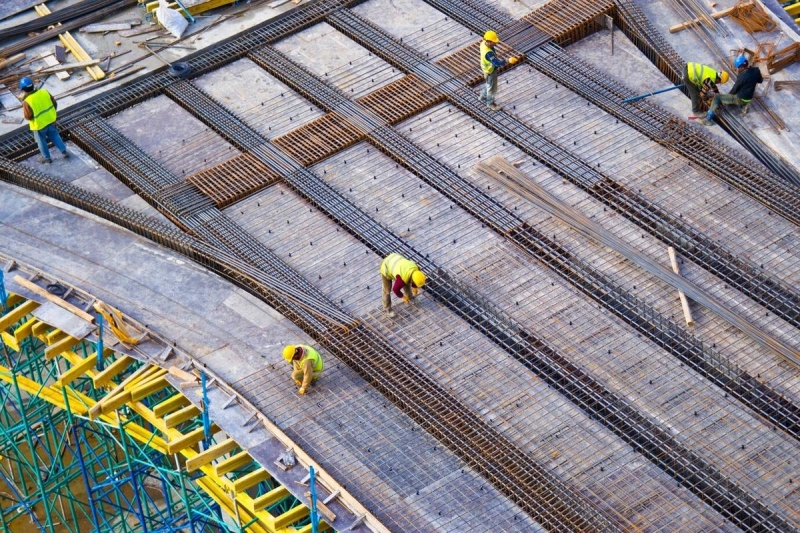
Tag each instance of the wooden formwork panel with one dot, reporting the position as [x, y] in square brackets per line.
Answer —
[401, 98]
[567, 21]
[233, 179]
[319, 139]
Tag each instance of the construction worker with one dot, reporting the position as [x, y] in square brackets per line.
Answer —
[306, 365]
[39, 109]
[701, 81]
[489, 64]
[399, 273]
[743, 90]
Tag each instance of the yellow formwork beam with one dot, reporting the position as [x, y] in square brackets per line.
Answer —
[13, 299]
[240, 460]
[26, 329]
[195, 9]
[73, 46]
[115, 368]
[66, 343]
[77, 370]
[188, 440]
[226, 502]
[211, 454]
[16, 314]
[39, 330]
[143, 390]
[291, 516]
[182, 415]
[270, 498]
[171, 404]
[53, 337]
[251, 480]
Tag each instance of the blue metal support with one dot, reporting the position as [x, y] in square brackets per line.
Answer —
[99, 346]
[314, 513]
[206, 418]
[3, 295]
[646, 95]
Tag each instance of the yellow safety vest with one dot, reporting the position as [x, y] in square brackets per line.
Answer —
[397, 265]
[44, 112]
[486, 66]
[698, 73]
[313, 356]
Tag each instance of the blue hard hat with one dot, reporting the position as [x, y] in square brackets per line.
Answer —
[25, 83]
[740, 61]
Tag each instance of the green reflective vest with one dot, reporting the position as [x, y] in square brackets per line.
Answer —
[698, 73]
[397, 265]
[44, 112]
[486, 65]
[312, 355]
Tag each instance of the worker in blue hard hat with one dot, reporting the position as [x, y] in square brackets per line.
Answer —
[743, 90]
[306, 365]
[39, 109]
[489, 65]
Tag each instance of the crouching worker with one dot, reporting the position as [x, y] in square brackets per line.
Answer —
[743, 90]
[306, 365]
[399, 273]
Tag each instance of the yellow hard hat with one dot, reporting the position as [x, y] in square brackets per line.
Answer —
[418, 278]
[723, 76]
[288, 353]
[491, 35]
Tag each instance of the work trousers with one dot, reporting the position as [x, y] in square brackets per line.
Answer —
[726, 99]
[489, 87]
[387, 292]
[299, 375]
[49, 132]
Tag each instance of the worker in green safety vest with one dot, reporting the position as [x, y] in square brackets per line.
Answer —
[701, 81]
[399, 274]
[490, 64]
[39, 109]
[306, 365]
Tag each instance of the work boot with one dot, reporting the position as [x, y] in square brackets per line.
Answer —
[44, 160]
[66, 154]
[495, 107]
[390, 313]
[710, 115]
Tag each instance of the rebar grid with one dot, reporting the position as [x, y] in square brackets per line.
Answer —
[457, 143]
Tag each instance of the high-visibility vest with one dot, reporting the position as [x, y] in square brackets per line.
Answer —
[397, 265]
[312, 355]
[486, 66]
[44, 112]
[698, 73]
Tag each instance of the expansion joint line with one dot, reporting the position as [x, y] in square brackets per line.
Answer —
[613, 411]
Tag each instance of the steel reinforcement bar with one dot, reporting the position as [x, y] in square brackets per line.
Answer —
[741, 274]
[526, 483]
[613, 411]
[636, 26]
[451, 422]
[634, 311]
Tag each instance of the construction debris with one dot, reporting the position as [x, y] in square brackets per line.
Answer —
[738, 8]
[752, 17]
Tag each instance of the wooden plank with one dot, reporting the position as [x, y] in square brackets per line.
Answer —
[170, 404]
[215, 452]
[180, 416]
[240, 460]
[52, 298]
[76, 371]
[251, 480]
[687, 313]
[56, 349]
[716, 15]
[103, 27]
[67, 66]
[188, 440]
[51, 61]
[11, 60]
[112, 370]
[73, 46]
[16, 314]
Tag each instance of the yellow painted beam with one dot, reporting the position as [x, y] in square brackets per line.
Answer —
[240, 460]
[188, 440]
[57, 348]
[225, 501]
[251, 480]
[13, 299]
[102, 378]
[73, 46]
[10, 341]
[77, 370]
[109, 404]
[208, 456]
[270, 498]
[54, 337]
[195, 9]
[26, 329]
[170, 404]
[793, 9]
[179, 417]
[39, 330]
[16, 314]
[152, 386]
[291, 516]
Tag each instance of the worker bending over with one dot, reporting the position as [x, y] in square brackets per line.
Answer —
[39, 109]
[701, 81]
[306, 365]
[743, 90]
[398, 273]
[489, 64]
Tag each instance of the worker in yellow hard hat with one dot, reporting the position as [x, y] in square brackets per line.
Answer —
[399, 273]
[701, 81]
[306, 365]
[489, 65]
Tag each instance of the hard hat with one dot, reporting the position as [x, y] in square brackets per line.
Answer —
[288, 353]
[740, 61]
[418, 278]
[25, 83]
[723, 76]
[491, 35]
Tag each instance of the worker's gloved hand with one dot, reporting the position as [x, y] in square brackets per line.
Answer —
[406, 299]
[414, 291]
[302, 391]
[512, 60]
[298, 382]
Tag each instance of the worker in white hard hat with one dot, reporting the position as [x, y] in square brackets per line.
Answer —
[400, 274]
[306, 365]
[489, 65]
